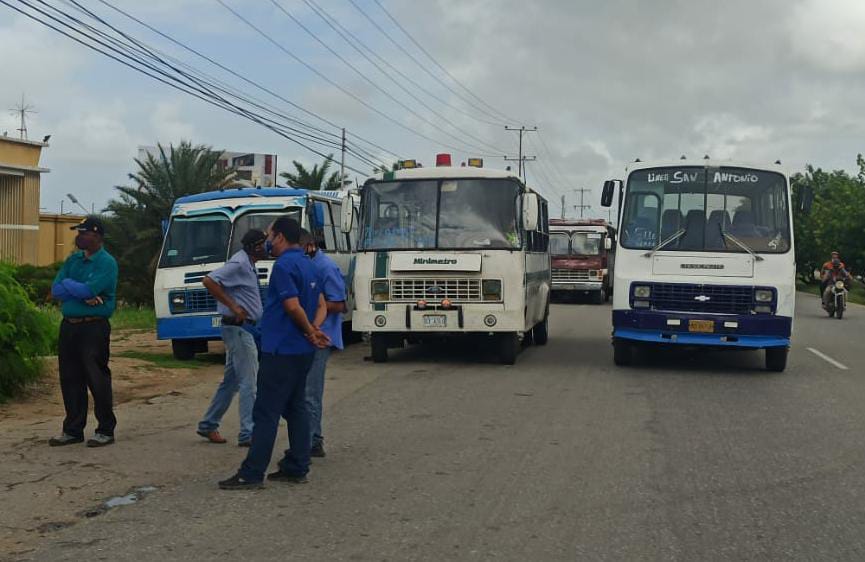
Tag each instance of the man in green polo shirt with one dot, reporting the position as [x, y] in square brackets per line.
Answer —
[86, 285]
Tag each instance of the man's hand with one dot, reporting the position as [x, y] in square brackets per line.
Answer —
[318, 338]
[95, 301]
[240, 314]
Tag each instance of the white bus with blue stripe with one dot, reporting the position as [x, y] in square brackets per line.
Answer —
[705, 257]
[205, 229]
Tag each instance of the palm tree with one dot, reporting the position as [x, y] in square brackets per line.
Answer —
[382, 169]
[314, 179]
[136, 216]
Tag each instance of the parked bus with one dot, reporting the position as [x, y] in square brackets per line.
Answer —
[205, 229]
[583, 257]
[705, 257]
[451, 251]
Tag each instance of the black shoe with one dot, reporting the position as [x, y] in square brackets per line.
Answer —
[280, 476]
[100, 440]
[244, 444]
[317, 450]
[238, 483]
[64, 439]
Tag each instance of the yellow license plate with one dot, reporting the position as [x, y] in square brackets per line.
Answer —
[701, 326]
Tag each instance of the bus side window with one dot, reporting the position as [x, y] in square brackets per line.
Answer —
[342, 243]
[323, 229]
[355, 226]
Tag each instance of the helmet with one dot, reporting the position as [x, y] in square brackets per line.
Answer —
[835, 254]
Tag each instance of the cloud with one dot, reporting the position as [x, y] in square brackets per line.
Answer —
[829, 34]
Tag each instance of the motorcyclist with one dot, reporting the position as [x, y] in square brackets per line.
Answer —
[837, 272]
[828, 267]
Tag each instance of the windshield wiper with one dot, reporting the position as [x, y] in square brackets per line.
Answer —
[676, 235]
[741, 244]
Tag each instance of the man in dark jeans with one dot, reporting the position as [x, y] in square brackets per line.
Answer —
[289, 338]
[86, 285]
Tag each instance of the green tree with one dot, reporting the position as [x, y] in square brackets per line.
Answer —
[835, 221]
[314, 179]
[382, 169]
[135, 219]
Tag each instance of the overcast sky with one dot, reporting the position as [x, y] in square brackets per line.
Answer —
[605, 82]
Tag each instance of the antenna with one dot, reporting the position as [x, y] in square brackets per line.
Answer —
[21, 110]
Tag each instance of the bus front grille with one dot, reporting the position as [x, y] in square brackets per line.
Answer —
[457, 290]
[717, 299]
[571, 275]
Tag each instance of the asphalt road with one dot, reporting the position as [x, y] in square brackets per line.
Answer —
[446, 456]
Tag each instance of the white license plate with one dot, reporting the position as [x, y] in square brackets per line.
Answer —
[435, 321]
[216, 322]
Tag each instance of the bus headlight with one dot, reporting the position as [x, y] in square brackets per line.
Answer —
[593, 273]
[764, 295]
[492, 289]
[642, 291]
[839, 284]
[380, 290]
[177, 301]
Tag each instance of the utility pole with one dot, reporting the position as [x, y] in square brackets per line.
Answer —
[342, 163]
[21, 110]
[582, 191]
[563, 207]
[521, 159]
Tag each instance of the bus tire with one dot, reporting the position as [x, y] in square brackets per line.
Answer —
[183, 350]
[508, 347]
[623, 352]
[378, 345]
[540, 333]
[776, 359]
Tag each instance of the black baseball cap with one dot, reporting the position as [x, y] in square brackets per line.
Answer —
[253, 237]
[90, 224]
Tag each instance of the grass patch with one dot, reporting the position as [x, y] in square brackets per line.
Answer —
[134, 318]
[167, 360]
[856, 293]
[124, 318]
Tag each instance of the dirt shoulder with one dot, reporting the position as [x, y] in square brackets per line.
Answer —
[158, 403]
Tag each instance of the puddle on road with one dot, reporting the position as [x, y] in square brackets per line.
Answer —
[132, 497]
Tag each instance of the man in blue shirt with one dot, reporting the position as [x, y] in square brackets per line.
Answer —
[288, 342]
[332, 285]
[238, 299]
[86, 284]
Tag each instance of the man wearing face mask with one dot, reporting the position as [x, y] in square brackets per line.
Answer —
[289, 338]
[86, 285]
[333, 286]
[236, 290]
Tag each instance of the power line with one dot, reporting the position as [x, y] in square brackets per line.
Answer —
[148, 69]
[424, 68]
[355, 40]
[379, 88]
[243, 78]
[324, 77]
[435, 62]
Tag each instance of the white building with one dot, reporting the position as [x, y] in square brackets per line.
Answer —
[256, 169]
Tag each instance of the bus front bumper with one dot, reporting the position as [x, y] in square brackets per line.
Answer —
[744, 331]
[589, 286]
[185, 327]
[405, 318]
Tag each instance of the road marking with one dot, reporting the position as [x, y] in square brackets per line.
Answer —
[827, 359]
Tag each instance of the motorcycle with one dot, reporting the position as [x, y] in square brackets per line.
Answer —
[836, 303]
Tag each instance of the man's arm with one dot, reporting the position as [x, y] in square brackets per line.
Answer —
[334, 291]
[219, 294]
[320, 312]
[298, 316]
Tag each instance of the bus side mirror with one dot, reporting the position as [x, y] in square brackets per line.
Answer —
[347, 217]
[608, 193]
[807, 199]
[608, 244]
[530, 212]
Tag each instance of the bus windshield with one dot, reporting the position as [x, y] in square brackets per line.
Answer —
[260, 220]
[586, 243]
[560, 244]
[195, 240]
[448, 214]
[693, 208]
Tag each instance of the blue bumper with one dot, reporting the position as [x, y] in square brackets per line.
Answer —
[753, 331]
[188, 327]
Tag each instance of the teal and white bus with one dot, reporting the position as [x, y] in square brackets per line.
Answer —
[205, 229]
